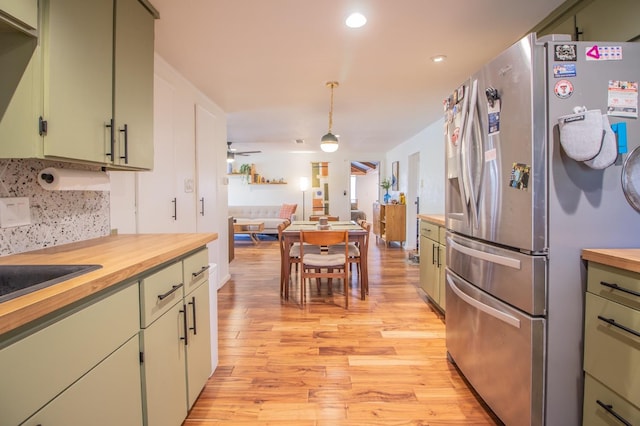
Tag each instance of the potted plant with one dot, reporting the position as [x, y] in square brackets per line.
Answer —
[245, 171]
[386, 184]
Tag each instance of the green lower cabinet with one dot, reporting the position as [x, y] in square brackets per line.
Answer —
[175, 370]
[163, 369]
[611, 346]
[432, 264]
[199, 347]
[175, 339]
[108, 395]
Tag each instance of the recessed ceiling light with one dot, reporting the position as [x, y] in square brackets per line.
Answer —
[438, 58]
[356, 20]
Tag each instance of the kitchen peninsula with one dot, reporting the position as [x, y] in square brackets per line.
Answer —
[91, 345]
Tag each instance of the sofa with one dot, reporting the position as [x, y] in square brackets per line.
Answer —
[272, 216]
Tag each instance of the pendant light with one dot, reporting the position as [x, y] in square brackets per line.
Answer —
[329, 142]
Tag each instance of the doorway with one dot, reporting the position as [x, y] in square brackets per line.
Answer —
[363, 188]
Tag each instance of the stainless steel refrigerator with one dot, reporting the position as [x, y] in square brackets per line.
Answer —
[518, 212]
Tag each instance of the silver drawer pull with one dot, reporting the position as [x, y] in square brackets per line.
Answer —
[168, 293]
[613, 322]
[502, 316]
[204, 268]
[622, 289]
[482, 255]
[609, 409]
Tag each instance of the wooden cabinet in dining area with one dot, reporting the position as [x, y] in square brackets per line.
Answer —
[389, 222]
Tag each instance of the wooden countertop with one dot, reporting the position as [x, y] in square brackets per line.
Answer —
[627, 258]
[438, 219]
[121, 257]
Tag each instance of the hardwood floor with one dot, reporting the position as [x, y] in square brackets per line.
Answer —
[382, 362]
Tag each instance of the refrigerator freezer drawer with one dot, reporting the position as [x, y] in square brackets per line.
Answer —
[513, 277]
[499, 349]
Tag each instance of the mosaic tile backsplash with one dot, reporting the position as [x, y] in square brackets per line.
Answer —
[57, 217]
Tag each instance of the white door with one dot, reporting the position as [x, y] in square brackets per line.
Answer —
[208, 217]
[166, 195]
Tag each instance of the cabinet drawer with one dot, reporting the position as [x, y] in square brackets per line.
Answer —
[39, 366]
[611, 354]
[442, 235]
[159, 292]
[601, 278]
[196, 270]
[429, 230]
[595, 414]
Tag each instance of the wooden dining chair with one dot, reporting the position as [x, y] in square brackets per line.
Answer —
[294, 259]
[325, 264]
[284, 287]
[354, 251]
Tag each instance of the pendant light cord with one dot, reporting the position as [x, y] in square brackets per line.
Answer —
[331, 109]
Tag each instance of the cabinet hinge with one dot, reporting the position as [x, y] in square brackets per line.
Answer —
[42, 126]
[141, 357]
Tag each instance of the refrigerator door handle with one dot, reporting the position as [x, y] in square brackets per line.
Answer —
[467, 170]
[508, 319]
[489, 257]
[462, 184]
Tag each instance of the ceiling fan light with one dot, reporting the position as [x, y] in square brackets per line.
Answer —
[231, 157]
[329, 143]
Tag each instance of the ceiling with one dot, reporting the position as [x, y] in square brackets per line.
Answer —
[266, 63]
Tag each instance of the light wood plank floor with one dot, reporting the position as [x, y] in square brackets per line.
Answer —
[382, 362]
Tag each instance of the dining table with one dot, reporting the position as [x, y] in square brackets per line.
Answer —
[357, 234]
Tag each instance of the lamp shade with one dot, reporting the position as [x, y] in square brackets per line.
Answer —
[329, 143]
[304, 183]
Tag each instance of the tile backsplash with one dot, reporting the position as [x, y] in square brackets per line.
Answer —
[57, 217]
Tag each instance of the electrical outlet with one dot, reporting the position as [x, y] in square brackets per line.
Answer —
[14, 212]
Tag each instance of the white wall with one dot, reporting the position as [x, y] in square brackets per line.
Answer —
[430, 144]
[290, 167]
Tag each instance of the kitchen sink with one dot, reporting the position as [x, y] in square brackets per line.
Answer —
[17, 280]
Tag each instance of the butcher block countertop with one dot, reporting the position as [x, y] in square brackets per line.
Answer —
[628, 259]
[438, 219]
[121, 256]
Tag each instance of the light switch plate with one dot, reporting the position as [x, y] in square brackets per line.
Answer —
[14, 212]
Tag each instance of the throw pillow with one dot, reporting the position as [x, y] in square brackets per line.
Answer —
[287, 210]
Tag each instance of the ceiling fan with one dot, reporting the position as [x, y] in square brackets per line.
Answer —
[231, 152]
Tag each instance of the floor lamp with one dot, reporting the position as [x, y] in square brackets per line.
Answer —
[304, 185]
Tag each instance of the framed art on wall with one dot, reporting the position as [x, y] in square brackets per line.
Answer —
[394, 176]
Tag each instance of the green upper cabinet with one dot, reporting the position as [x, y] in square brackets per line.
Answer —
[22, 14]
[133, 85]
[92, 89]
[78, 76]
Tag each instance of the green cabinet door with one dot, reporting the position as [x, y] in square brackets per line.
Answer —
[107, 395]
[442, 250]
[22, 13]
[133, 85]
[78, 58]
[163, 369]
[199, 347]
